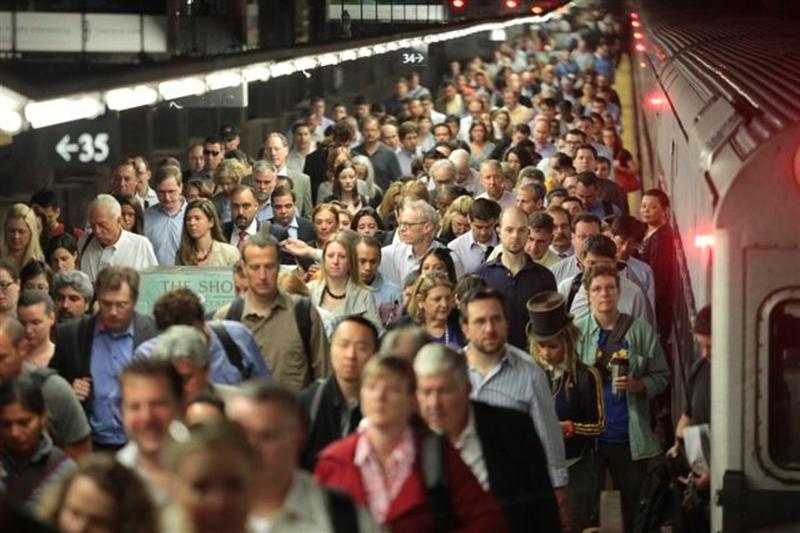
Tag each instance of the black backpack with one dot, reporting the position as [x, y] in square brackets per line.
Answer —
[659, 499]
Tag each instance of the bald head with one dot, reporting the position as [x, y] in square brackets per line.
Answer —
[513, 230]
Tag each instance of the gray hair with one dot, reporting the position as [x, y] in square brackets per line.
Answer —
[423, 209]
[491, 163]
[413, 337]
[280, 136]
[109, 203]
[459, 157]
[443, 164]
[262, 166]
[182, 343]
[436, 358]
[366, 162]
[75, 279]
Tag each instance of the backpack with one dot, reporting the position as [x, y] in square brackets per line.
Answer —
[302, 315]
[232, 350]
[659, 499]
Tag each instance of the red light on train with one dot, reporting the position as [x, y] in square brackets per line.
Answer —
[640, 47]
[635, 23]
[637, 35]
[511, 4]
[458, 4]
[635, 15]
[704, 241]
[655, 100]
[537, 10]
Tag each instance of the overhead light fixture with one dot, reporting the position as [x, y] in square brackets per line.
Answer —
[10, 121]
[348, 55]
[259, 72]
[130, 97]
[364, 51]
[284, 68]
[59, 110]
[328, 60]
[172, 89]
[306, 63]
[223, 80]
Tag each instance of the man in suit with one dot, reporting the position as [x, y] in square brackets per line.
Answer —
[499, 445]
[244, 223]
[92, 350]
[286, 223]
[276, 151]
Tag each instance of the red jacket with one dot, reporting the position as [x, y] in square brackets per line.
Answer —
[475, 509]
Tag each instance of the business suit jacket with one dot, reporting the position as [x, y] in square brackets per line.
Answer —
[73, 339]
[305, 233]
[227, 229]
[315, 167]
[302, 191]
[517, 468]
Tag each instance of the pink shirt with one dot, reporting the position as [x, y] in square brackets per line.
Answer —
[382, 487]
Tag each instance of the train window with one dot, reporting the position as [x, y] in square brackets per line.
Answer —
[784, 384]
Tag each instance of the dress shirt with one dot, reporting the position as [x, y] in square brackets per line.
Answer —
[149, 199]
[473, 182]
[517, 290]
[566, 268]
[549, 259]
[221, 370]
[469, 447]
[546, 150]
[305, 509]
[164, 232]
[130, 250]
[598, 210]
[385, 292]
[252, 229]
[506, 200]
[111, 353]
[296, 161]
[264, 212]
[631, 300]
[398, 261]
[470, 253]
[516, 382]
[563, 255]
[382, 484]
[405, 158]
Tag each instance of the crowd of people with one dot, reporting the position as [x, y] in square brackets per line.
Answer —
[446, 317]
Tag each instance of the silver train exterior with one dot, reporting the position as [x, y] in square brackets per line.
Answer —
[721, 118]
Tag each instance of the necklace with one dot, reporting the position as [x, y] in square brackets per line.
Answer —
[202, 257]
[335, 296]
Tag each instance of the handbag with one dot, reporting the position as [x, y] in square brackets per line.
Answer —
[628, 181]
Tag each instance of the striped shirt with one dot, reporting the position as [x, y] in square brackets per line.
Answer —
[516, 382]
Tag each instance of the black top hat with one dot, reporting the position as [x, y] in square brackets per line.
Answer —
[228, 132]
[548, 315]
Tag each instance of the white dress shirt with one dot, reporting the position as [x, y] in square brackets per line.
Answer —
[470, 253]
[130, 250]
[252, 229]
[506, 200]
[398, 261]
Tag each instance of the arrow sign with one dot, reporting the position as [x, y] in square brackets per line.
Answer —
[413, 56]
[65, 149]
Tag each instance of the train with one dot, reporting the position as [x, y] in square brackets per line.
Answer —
[720, 121]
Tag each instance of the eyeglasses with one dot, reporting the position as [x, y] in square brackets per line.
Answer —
[407, 225]
[211, 152]
[4, 285]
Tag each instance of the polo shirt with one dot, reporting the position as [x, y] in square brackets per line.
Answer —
[517, 290]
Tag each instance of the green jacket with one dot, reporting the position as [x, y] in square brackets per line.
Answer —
[647, 363]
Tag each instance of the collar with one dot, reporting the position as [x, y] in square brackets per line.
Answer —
[470, 431]
[293, 223]
[296, 502]
[177, 213]
[281, 300]
[377, 282]
[410, 249]
[401, 451]
[283, 171]
[43, 449]
[472, 242]
[100, 328]
[252, 229]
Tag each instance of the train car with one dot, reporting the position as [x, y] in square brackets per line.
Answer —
[721, 118]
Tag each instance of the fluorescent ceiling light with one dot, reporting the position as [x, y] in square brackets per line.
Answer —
[259, 72]
[49, 112]
[10, 121]
[127, 97]
[284, 68]
[348, 55]
[223, 80]
[327, 60]
[172, 89]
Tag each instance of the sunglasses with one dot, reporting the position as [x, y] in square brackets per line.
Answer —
[211, 152]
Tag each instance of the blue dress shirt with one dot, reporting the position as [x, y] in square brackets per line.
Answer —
[111, 352]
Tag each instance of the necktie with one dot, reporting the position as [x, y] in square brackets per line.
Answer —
[487, 253]
[242, 239]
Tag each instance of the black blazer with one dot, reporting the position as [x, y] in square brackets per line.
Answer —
[227, 229]
[315, 166]
[327, 422]
[517, 467]
[305, 230]
[73, 340]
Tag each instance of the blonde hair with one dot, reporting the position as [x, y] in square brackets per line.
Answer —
[344, 240]
[460, 206]
[384, 366]
[422, 287]
[229, 169]
[34, 249]
[568, 337]
[291, 283]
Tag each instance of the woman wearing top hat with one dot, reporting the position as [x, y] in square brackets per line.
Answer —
[578, 396]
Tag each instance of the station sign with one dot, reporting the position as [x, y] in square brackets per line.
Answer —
[214, 285]
[82, 142]
[414, 57]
